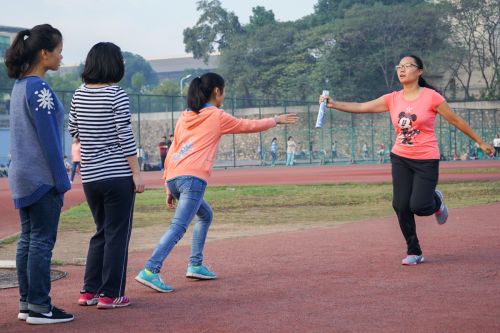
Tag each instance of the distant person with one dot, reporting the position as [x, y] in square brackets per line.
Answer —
[464, 156]
[365, 151]
[415, 154]
[169, 141]
[7, 106]
[37, 176]
[67, 165]
[262, 154]
[381, 154]
[496, 144]
[291, 147]
[189, 165]
[110, 173]
[334, 150]
[163, 148]
[274, 151]
[75, 157]
[479, 154]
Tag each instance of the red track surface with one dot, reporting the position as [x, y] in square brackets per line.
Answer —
[339, 279]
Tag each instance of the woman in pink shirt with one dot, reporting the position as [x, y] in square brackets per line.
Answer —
[187, 168]
[75, 157]
[415, 154]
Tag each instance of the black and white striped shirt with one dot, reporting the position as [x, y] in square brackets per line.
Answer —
[100, 117]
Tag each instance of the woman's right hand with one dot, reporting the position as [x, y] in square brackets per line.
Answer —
[138, 182]
[329, 102]
[287, 118]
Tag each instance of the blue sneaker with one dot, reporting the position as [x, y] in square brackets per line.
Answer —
[153, 280]
[199, 272]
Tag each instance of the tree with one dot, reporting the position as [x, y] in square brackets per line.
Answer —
[361, 58]
[213, 30]
[261, 16]
[137, 82]
[65, 82]
[350, 45]
[135, 64]
[488, 46]
[326, 11]
[464, 23]
[475, 34]
[167, 88]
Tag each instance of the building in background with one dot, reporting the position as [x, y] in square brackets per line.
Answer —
[7, 35]
[174, 68]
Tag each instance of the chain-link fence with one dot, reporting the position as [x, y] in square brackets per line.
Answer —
[344, 138]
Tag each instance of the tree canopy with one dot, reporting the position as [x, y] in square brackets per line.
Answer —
[348, 46]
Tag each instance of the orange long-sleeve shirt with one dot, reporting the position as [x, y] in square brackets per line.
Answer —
[197, 136]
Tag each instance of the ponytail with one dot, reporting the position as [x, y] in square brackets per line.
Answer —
[22, 55]
[201, 89]
[423, 83]
[421, 80]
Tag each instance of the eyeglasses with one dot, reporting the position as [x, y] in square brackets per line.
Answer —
[405, 66]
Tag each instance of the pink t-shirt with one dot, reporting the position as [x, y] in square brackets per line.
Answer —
[414, 124]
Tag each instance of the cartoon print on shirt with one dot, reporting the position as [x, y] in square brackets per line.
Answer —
[405, 123]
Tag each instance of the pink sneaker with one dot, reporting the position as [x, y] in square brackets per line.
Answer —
[87, 298]
[111, 303]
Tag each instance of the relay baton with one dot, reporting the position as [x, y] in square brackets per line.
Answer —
[322, 110]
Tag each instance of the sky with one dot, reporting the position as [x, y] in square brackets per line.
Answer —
[150, 28]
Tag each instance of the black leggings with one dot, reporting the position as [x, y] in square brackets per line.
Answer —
[414, 185]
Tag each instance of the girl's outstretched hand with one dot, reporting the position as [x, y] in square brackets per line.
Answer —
[288, 118]
[488, 149]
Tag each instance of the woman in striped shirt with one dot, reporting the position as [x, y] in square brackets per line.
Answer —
[100, 118]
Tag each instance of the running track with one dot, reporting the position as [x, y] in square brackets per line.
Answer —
[339, 279]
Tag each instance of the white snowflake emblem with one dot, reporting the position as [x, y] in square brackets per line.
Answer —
[45, 100]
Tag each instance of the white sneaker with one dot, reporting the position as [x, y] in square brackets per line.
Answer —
[442, 213]
[412, 260]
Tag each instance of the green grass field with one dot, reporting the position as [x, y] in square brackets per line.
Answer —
[307, 205]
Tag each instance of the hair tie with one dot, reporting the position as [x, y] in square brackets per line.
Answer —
[27, 35]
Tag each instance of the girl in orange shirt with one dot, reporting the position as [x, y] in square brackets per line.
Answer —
[187, 168]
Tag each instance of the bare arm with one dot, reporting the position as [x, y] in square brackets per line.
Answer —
[447, 113]
[374, 106]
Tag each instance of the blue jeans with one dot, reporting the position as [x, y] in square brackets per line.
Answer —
[273, 157]
[39, 224]
[289, 158]
[189, 191]
[74, 166]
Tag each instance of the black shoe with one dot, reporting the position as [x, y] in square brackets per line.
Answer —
[54, 316]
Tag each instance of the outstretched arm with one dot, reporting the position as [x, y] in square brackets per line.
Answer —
[232, 125]
[374, 106]
[447, 113]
